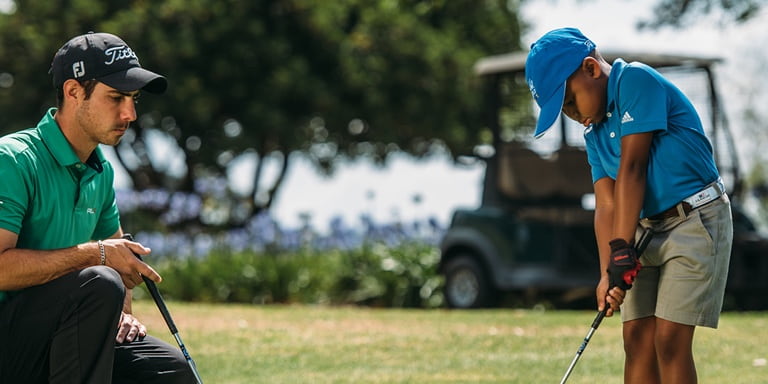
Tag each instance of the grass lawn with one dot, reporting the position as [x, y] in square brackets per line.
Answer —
[308, 344]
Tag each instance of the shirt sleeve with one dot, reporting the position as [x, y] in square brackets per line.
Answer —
[598, 172]
[15, 190]
[642, 102]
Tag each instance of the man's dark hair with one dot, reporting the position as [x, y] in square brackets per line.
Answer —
[88, 85]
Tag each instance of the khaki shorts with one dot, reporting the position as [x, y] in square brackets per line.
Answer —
[685, 267]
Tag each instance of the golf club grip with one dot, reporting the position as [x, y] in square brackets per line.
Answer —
[600, 316]
[155, 293]
[642, 244]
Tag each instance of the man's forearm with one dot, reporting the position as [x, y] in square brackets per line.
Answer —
[22, 268]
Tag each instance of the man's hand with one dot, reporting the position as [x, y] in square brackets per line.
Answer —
[624, 265]
[129, 329]
[120, 256]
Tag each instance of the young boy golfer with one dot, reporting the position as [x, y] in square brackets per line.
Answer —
[652, 167]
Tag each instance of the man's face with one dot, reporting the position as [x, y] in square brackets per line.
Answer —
[106, 114]
[584, 100]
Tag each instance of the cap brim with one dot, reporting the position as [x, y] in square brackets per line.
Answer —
[134, 79]
[550, 110]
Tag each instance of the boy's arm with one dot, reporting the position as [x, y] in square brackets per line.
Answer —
[617, 209]
[604, 212]
[629, 190]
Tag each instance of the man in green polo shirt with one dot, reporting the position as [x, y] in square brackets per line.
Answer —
[65, 273]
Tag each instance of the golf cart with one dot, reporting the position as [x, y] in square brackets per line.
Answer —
[533, 233]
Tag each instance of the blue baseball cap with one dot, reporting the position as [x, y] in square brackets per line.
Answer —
[551, 61]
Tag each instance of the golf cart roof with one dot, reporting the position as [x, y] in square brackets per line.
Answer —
[515, 62]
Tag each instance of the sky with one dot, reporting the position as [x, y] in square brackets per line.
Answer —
[405, 190]
[444, 187]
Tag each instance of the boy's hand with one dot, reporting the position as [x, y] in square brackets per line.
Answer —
[610, 298]
[624, 266]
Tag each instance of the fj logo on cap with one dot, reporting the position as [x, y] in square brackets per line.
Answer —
[78, 69]
[119, 53]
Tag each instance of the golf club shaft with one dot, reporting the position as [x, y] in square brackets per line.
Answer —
[152, 287]
[645, 238]
[155, 293]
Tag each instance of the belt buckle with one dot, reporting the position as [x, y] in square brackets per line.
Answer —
[668, 214]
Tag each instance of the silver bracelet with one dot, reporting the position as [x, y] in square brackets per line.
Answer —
[103, 254]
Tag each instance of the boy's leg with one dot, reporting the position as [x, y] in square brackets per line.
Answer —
[640, 364]
[674, 348]
[150, 361]
[62, 331]
[691, 282]
[639, 327]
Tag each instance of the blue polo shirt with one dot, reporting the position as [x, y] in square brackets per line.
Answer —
[681, 160]
[48, 196]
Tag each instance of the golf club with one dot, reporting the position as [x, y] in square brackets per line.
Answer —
[645, 238]
[152, 287]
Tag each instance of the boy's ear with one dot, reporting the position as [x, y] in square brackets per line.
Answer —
[591, 67]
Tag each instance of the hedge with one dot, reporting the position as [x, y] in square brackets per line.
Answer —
[373, 275]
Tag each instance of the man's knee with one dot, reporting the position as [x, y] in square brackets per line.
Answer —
[101, 285]
[102, 282]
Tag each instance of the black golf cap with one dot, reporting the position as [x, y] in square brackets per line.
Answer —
[106, 58]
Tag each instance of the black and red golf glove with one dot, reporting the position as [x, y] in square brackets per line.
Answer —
[624, 265]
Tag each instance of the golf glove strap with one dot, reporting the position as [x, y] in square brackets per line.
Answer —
[624, 265]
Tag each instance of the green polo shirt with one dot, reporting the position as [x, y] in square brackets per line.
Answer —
[48, 196]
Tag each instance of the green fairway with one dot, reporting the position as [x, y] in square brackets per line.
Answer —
[307, 344]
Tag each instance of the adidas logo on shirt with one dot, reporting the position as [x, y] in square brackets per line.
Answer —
[626, 118]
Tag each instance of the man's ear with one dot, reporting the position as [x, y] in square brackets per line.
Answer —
[72, 90]
[591, 67]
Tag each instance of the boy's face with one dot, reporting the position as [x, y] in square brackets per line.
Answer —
[585, 94]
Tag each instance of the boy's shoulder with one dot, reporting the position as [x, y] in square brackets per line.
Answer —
[632, 77]
[634, 70]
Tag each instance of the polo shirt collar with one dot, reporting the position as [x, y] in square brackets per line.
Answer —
[613, 81]
[60, 149]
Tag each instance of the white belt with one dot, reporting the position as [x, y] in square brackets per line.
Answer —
[706, 195]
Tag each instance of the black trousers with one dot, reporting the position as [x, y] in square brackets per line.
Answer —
[64, 332]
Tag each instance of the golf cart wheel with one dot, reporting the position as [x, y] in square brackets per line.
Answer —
[466, 284]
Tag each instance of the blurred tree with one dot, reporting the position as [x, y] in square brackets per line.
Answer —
[261, 79]
[679, 13]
